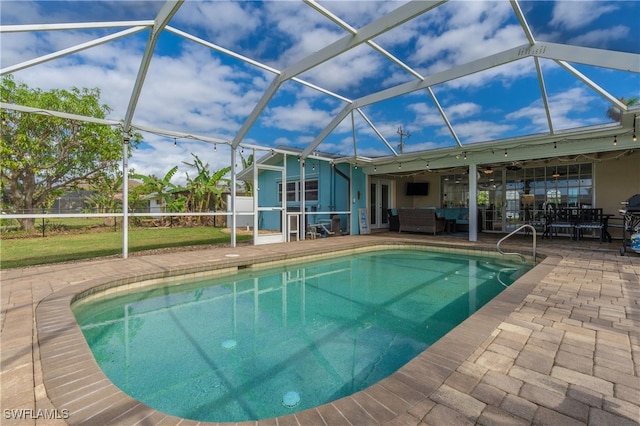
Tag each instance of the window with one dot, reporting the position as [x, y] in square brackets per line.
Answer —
[293, 191]
[514, 191]
[311, 190]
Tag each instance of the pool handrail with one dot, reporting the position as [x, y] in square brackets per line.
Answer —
[526, 225]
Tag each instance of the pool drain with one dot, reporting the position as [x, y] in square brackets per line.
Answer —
[291, 399]
[229, 344]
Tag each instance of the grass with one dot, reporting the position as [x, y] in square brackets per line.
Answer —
[21, 252]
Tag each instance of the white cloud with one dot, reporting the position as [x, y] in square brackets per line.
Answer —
[348, 70]
[481, 130]
[225, 23]
[565, 108]
[601, 38]
[298, 117]
[572, 15]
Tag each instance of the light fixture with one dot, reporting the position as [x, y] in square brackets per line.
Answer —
[634, 137]
[555, 145]
[488, 170]
[399, 165]
[505, 153]
[427, 165]
[273, 153]
[375, 168]
[465, 155]
[175, 142]
[556, 174]
[457, 156]
[615, 141]
[215, 147]
[313, 167]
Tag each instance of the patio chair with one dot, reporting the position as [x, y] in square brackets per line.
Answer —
[312, 232]
[590, 219]
[394, 222]
[539, 222]
[562, 218]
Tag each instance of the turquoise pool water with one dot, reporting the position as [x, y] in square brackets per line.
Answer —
[260, 344]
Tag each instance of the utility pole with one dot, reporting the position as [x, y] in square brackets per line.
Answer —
[402, 134]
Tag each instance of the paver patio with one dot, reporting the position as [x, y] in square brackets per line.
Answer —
[560, 346]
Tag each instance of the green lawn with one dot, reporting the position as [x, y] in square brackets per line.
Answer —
[19, 252]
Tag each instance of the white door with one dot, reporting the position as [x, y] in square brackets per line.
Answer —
[380, 195]
[270, 218]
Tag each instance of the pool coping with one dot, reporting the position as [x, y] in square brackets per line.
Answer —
[76, 385]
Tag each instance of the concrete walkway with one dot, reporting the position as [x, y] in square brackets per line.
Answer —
[560, 346]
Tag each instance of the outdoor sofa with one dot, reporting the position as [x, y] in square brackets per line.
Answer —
[420, 220]
[458, 214]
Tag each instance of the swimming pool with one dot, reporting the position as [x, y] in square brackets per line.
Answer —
[265, 343]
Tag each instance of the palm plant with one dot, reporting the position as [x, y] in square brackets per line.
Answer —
[105, 187]
[205, 191]
[162, 188]
[248, 184]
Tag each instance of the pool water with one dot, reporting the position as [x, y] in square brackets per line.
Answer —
[260, 344]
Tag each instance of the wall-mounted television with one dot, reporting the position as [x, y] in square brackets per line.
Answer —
[417, 188]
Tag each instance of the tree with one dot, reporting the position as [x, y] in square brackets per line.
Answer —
[248, 184]
[162, 188]
[615, 114]
[42, 156]
[106, 186]
[205, 188]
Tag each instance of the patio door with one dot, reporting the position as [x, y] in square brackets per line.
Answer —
[379, 203]
[269, 222]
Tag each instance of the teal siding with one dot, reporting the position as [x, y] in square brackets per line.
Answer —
[333, 192]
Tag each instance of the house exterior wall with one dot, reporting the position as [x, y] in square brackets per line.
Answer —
[616, 181]
[333, 191]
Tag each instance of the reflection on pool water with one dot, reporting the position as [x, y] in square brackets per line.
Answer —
[260, 344]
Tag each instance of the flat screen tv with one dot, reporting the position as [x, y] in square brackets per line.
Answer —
[417, 188]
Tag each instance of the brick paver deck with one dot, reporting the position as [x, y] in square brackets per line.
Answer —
[559, 346]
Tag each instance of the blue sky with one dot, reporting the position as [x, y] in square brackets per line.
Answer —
[191, 88]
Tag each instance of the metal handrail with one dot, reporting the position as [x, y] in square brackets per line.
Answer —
[519, 254]
[503, 270]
